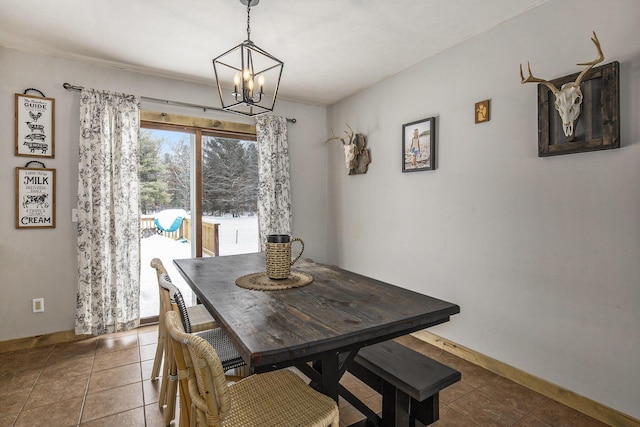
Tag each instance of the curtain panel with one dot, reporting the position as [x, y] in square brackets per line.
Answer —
[108, 220]
[274, 191]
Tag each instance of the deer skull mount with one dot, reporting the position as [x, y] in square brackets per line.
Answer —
[569, 96]
[356, 155]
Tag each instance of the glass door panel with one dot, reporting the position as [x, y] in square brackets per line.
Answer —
[166, 201]
[229, 195]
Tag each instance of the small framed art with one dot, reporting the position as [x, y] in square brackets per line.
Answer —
[35, 121]
[482, 111]
[419, 145]
[35, 198]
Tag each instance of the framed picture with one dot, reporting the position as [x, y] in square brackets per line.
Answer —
[35, 123]
[597, 126]
[35, 198]
[419, 145]
[481, 111]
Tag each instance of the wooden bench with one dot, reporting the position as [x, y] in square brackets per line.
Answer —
[408, 381]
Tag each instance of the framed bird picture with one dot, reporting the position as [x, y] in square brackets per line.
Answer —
[35, 126]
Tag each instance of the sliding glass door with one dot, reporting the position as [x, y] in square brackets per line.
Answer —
[198, 197]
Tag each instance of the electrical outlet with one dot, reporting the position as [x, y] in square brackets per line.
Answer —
[38, 305]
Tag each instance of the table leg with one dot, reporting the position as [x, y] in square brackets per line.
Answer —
[329, 376]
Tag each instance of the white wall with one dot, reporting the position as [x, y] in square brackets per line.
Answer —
[42, 263]
[541, 254]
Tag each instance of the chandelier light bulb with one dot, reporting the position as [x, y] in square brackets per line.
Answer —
[236, 83]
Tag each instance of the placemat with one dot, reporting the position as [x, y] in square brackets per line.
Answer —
[262, 282]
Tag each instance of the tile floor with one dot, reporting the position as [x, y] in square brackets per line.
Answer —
[105, 381]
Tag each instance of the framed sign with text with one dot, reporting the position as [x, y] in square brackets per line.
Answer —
[35, 122]
[35, 198]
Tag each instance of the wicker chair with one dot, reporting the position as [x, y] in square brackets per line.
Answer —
[200, 320]
[273, 399]
[231, 360]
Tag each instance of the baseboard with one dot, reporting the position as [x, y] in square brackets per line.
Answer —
[559, 394]
[40, 341]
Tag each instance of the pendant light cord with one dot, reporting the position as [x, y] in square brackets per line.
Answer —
[248, 20]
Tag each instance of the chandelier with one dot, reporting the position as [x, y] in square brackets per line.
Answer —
[254, 73]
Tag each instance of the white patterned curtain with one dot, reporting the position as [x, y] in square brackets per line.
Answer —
[274, 192]
[108, 221]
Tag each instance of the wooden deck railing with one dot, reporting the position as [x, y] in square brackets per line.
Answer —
[210, 236]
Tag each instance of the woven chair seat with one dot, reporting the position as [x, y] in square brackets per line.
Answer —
[227, 353]
[273, 399]
[277, 399]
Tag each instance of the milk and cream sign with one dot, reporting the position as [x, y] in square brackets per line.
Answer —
[34, 126]
[35, 198]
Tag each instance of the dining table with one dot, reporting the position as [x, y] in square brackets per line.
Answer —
[318, 327]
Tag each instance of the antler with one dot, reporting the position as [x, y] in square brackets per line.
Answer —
[335, 137]
[349, 136]
[350, 133]
[591, 64]
[532, 79]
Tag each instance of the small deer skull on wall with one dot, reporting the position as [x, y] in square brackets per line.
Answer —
[356, 155]
[569, 96]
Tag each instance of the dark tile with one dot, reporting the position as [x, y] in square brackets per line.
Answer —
[349, 415]
[13, 399]
[117, 342]
[155, 417]
[148, 352]
[530, 421]
[116, 358]
[132, 418]
[82, 348]
[452, 418]
[64, 413]
[454, 392]
[110, 402]
[512, 394]
[57, 369]
[357, 387]
[62, 388]
[115, 377]
[147, 338]
[116, 369]
[485, 410]
[151, 391]
[374, 403]
[147, 367]
[20, 378]
[556, 414]
[473, 375]
[24, 360]
[8, 420]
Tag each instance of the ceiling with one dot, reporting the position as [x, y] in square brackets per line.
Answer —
[331, 48]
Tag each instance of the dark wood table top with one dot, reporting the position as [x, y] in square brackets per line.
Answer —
[339, 311]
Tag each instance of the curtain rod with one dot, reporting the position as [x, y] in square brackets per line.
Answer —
[69, 86]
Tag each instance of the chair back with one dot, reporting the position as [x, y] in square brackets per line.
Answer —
[208, 387]
[164, 296]
[175, 297]
[157, 264]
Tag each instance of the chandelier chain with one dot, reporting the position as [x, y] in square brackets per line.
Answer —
[248, 20]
